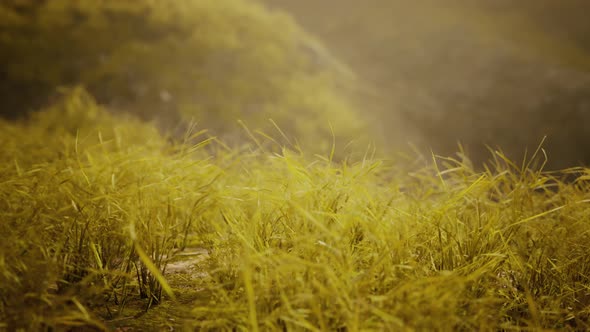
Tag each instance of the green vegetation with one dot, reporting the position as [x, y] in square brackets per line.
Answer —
[96, 208]
[210, 62]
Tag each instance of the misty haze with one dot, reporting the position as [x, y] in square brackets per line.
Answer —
[428, 74]
[438, 73]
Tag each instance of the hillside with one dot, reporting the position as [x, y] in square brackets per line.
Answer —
[501, 73]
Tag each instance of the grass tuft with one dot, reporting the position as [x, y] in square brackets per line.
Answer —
[103, 219]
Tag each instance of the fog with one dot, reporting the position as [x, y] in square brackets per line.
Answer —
[430, 75]
[437, 73]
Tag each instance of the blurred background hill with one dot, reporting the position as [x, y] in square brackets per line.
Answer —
[173, 62]
[428, 73]
[501, 73]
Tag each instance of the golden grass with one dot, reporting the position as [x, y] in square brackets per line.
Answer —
[94, 206]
